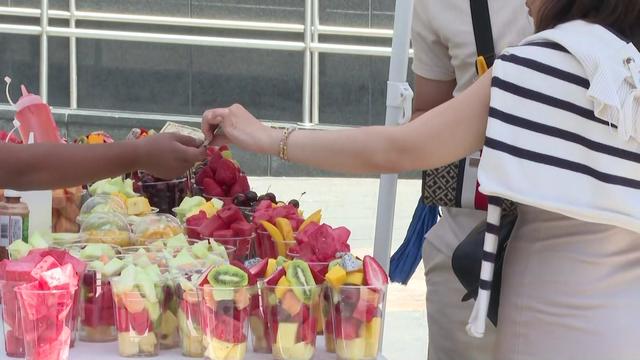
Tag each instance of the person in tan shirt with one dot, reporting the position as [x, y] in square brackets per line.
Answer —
[444, 66]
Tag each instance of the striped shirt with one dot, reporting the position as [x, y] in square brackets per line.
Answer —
[546, 148]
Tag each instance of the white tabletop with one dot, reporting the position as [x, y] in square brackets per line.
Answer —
[109, 351]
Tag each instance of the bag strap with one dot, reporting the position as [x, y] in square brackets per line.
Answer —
[483, 33]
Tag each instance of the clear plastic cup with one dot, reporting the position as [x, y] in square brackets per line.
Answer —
[268, 247]
[260, 340]
[97, 318]
[135, 318]
[101, 204]
[357, 321]
[224, 315]
[12, 321]
[242, 245]
[45, 316]
[167, 325]
[107, 228]
[292, 320]
[189, 320]
[164, 195]
[155, 227]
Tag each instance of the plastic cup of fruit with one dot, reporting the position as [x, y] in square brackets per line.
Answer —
[107, 228]
[155, 227]
[193, 232]
[224, 316]
[135, 317]
[242, 245]
[97, 319]
[268, 247]
[154, 256]
[167, 325]
[260, 340]
[230, 250]
[45, 316]
[291, 321]
[12, 321]
[357, 321]
[190, 325]
[64, 240]
[165, 195]
[101, 204]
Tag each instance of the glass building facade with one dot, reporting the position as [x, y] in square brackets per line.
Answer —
[118, 64]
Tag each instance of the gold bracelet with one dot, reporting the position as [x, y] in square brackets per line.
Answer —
[284, 142]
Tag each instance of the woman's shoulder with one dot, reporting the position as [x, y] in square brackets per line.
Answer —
[540, 58]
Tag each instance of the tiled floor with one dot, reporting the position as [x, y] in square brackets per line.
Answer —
[353, 203]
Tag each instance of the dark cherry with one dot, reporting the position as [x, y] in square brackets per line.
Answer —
[239, 199]
[251, 196]
[272, 197]
[295, 203]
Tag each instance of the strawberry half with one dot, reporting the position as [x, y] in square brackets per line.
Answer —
[374, 274]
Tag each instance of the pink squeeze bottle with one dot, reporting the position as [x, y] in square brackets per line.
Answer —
[35, 116]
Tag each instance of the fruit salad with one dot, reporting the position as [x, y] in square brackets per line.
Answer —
[46, 309]
[226, 293]
[102, 204]
[97, 322]
[162, 194]
[222, 177]
[137, 299]
[277, 226]
[292, 297]
[357, 291]
[152, 228]
[189, 318]
[229, 227]
[193, 205]
[107, 228]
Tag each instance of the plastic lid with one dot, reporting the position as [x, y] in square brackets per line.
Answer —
[102, 204]
[104, 222]
[12, 193]
[155, 227]
[27, 99]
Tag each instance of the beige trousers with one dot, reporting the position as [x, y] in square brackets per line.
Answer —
[447, 316]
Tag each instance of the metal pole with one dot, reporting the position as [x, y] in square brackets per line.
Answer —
[44, 49]
[73, 59]
[315, 77]
[306, 78]
[388, 182]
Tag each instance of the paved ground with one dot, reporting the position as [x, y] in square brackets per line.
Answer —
[353, 203]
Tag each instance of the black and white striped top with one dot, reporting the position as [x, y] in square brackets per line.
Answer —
[545, 147]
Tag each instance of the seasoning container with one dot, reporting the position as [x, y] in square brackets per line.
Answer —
[14, 221]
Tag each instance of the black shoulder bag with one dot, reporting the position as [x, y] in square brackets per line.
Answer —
[467, 257]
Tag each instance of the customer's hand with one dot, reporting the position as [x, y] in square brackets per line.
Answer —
[169, 156]
[239, 127]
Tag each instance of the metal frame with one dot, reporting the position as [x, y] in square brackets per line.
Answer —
[310, 47]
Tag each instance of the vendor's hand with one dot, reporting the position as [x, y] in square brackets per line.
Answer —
[169, 156]
[241, 128]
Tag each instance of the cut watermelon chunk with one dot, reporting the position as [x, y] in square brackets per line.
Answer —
[47, 263]
[212, 225]
[63, 277]
[242, 229]
[228, 330]
[231, 214]
[347, 328]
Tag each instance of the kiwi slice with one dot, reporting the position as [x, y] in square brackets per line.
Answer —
[227, 276]
[301, 279]
[280, 261]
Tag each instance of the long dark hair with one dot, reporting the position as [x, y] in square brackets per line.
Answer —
[622, 16]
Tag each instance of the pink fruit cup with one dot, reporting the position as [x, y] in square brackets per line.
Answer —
[224, 315]
[135, 317]
[97, 317]
[292, 314]
[12, 321]
[45, 316]
[357, 321]
[189, 320]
